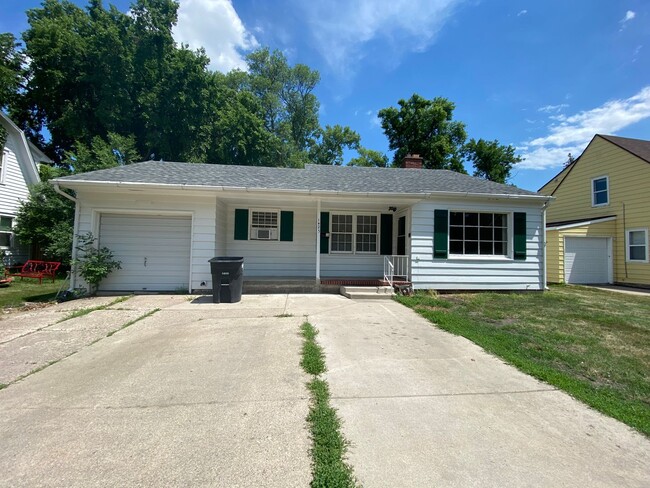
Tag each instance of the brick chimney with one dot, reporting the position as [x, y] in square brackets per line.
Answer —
[412, 161]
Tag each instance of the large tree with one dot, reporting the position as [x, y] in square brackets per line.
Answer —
[425, 127]
[491, 160]
[12, 71]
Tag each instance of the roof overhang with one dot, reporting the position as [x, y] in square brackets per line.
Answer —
[202, 189]
[579, 223]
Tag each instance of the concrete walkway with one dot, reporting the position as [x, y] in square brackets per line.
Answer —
[197, 394]
[422, 407]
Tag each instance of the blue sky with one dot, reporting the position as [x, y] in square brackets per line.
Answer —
[543, 76]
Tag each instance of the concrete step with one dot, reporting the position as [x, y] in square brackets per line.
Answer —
[367, 292]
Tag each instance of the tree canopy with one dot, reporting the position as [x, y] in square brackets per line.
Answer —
[490, 159]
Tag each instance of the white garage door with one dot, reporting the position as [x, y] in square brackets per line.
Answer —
[154, 251]
[586, 260]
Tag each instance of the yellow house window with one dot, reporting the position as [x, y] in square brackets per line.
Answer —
[637, 245]
[600, 191]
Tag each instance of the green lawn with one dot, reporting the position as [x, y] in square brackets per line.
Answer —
[28, 290]
[593, 344]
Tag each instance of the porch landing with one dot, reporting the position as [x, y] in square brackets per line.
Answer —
[264, 285]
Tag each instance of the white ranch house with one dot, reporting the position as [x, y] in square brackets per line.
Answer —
[322, 224]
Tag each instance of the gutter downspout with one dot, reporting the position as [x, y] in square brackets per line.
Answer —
[318, 231]
[544, 284]
[73, 275]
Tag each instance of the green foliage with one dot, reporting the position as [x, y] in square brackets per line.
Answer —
[491, 160]
[12, 71]
[425, 127]
[3, 137]
[44, 220]
[369, 158]
[117, 150]
[94, 263]
[330, 143]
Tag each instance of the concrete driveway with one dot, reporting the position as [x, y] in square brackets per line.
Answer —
[199, 394]
[196, 394]
[422, 407]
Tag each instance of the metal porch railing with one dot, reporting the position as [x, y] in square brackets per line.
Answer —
[396, 268]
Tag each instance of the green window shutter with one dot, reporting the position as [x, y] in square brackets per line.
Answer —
[519, 233]
[241, 224]
[386, 234]
[324, 230]
[440, 233]
[286, 226]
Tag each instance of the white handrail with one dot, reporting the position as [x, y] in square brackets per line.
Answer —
[396, 266]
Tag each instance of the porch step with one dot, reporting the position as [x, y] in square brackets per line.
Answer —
[367, 292]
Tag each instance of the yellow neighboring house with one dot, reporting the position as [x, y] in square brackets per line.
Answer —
[597, 228]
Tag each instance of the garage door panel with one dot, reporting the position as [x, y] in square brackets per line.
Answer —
[154, 252]
[586, 260]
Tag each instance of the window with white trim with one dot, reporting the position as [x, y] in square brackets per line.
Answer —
[342, 235]
[366, 238]
[637, 245]
[264, 225]
[600, 191]
[354, 234]
[3, 165]
[6, 231]
[478, 233]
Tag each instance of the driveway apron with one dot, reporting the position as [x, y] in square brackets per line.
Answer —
[422, 407]
[197, 394]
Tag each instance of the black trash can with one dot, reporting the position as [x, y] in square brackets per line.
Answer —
[227, 279]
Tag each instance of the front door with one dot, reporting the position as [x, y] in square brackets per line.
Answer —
[401, 236]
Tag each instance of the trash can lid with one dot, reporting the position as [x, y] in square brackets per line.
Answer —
[221, 259]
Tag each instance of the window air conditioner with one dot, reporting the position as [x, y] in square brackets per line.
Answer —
[265, 234]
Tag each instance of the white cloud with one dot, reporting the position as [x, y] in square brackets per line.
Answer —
[522, 12]
[629, 15]
[215, 25]
[341, 28]
[570, 134]
[553, 108]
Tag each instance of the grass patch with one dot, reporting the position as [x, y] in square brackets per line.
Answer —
[138, 319]
[313, 359]
[85, 311]
[593, 344]
[329, 469]
[20, 292]
[284, 315]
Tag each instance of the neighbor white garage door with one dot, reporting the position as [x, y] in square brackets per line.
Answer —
[586, 260]
[154, 251]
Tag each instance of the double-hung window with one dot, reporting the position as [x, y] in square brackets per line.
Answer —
[354, 233]
[637, 245]
[478, 233]
[264, 225]
[599, 191]
[6, 231]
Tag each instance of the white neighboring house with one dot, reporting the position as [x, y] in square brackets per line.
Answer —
[326, 225]
[18, 171]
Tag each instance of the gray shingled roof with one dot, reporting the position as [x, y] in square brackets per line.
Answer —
[312, 177]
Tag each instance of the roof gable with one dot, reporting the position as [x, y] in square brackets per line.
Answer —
[636, 147]
[25, 156]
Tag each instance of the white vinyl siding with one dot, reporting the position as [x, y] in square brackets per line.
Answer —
[475, 272]
[154, 251]
[13, 188]
[265, 258]
[586, 260]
